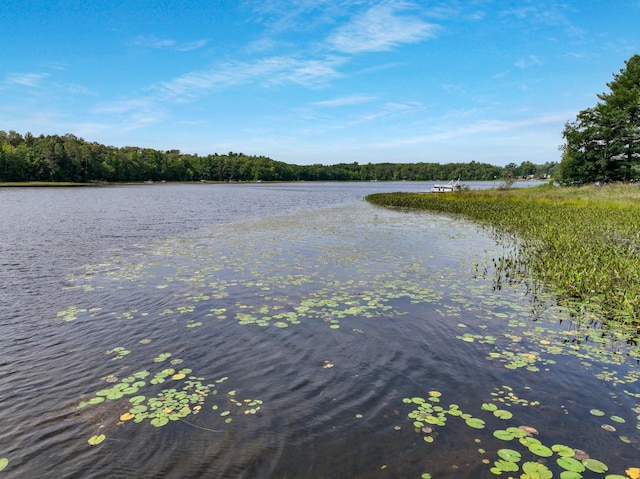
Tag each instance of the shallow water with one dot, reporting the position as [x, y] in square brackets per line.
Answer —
[297, 327]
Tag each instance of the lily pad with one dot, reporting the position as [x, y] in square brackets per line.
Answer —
[595, 465]
[97, 439]
[633, 472]
[570, 464]
[159, 421]
[570, 475]
[562, 450]
[475, 423]
[509, 455]
[540, 450]
[504, 435]
[506, 466]
[4, 462]
[502, 414]
[535, 470]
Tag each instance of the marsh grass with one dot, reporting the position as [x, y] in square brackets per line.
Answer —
[581, 243]
[41, 184]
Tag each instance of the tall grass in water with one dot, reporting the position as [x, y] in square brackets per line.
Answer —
[581, 243]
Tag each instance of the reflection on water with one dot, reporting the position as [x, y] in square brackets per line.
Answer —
[193, 331]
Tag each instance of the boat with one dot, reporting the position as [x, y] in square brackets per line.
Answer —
[453, 185]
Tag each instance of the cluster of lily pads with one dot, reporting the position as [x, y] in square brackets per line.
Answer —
[184, 395]
[332, 287]
[571, 463]
[522, 346]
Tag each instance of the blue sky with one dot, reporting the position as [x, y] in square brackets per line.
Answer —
[313, 81]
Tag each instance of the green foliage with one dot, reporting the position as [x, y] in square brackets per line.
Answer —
[603, 143]
[70, 159]
[583, 243]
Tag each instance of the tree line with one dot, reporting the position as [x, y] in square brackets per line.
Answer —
[67, 158]
[603, 142]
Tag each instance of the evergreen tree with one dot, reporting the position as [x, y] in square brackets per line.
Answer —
[603, 143]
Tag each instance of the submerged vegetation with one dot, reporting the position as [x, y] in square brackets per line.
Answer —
[539, 461]
[247, 279]
[582, 243]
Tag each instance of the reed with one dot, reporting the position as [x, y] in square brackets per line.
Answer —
[581, 243]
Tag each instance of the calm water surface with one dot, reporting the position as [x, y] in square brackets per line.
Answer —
[288, 331]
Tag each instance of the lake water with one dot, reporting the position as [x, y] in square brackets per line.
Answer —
[288, 331]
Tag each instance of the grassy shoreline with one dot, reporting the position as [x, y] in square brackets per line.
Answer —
[582, 244]
[45, 184]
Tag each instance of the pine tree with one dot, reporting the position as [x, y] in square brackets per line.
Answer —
[603, 143]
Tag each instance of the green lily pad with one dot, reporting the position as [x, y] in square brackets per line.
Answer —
[504, 435]
[562, 450]
[570, 464]
[159, 421]
[597, 412]
[570, 475]
[475, 423]
[97, 439]
[540, 450]
[529, 441]
[4, 462]
[517, 432]
[617, 419]
[535, 470]
[506, 466]
[502, 414]
[489, 407]
[509, 455]
[595, 465]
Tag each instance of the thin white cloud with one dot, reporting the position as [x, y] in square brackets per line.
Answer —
[278, 16]
[390, 109]
[344, 101]
[76, 89]
[151, 108]
[167, 43]
[380, 28]
[125, 106]
[189, 46]
[456, 10]
[33, 80]
[553, 14]
[268, 71]
[478, 127]
[530, 61]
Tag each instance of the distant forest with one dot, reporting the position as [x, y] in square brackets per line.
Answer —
[68, 158]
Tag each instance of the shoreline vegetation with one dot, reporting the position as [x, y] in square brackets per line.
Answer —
[67, 158]
[580, 243]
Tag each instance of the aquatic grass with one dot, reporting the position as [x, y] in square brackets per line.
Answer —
[581, 243]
